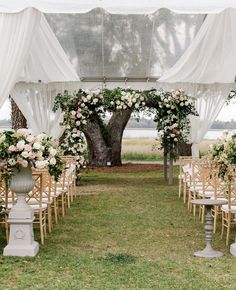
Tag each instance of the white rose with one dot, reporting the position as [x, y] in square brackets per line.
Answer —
[130, 104]
[141, 98]
[73, 113]
[136, 105]
[112, 103]
[181, 104]
[40, 137]
[41, 164]
[118, 102]
[172, 135]
[12, 162]
[84, 122]
[52, 161]
[52, 151]
[30, 138]
[25, 154]
[89, 97]
[175, 139]
[2, 138]
[37, 145]
[20, 145]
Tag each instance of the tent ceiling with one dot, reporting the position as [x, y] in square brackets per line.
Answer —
[100, 44]
[118, 6]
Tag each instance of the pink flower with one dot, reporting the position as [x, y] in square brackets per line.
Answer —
[12, 148]
[27, 147]
[79, 115]
[22, 162]
[31, 155]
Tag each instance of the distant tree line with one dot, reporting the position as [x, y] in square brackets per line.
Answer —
[149, 123]
[224, 125]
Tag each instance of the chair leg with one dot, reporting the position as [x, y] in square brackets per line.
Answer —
[63, 203]
[55, 207]
[49, 211]
[7, 229]
[180, 187]
[41, 227]
[68, 197]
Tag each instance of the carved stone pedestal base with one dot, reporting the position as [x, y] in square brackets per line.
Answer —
[21, 217]
[21, 241]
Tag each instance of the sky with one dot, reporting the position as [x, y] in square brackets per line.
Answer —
[227, 113]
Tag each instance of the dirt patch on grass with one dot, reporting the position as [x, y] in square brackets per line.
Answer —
[128, 168]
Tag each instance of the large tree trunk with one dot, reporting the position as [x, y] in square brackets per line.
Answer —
[17, 118]
[116, 128]
[98, 151]
[105, 149]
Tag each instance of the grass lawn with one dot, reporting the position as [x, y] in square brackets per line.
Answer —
[127, 230]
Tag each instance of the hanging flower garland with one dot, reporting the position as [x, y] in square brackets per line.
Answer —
[171, 115]
[77, 107]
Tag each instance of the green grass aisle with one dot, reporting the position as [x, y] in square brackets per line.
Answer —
[127, 231]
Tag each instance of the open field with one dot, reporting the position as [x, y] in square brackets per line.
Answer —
[126, 230]
[147, 149]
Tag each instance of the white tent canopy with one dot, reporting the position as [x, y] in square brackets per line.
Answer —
[40, 56]
[118, 6]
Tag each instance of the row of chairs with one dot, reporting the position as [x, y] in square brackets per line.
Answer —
[49, 199]
[199, 178]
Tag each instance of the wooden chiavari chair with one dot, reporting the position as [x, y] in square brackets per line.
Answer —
[229, 210]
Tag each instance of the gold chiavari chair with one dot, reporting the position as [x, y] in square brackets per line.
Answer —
[229, 209]
[70, 175]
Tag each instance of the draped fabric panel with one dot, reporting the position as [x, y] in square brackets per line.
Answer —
[36, 103]
[47, 61]
[118, 6]
[211, 57]
[17, 32]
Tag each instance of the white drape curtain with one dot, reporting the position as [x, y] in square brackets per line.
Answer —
[36, 103]
[47, 61]
[17, 32]
[211, 57]
[210, 99]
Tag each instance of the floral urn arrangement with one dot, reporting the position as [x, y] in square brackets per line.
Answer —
[20, 151]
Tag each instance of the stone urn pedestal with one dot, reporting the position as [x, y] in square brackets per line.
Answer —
[21, 217]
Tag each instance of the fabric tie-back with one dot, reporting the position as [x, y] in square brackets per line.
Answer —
[17, 32]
